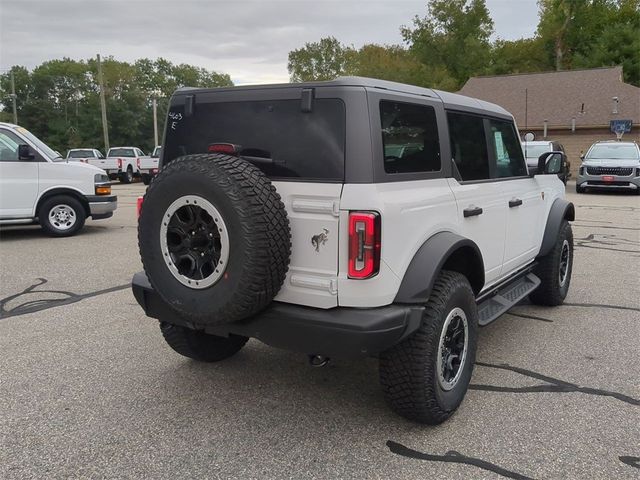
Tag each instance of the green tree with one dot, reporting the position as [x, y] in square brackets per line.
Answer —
[519, 56]
[453, 36]
[397, 64]
[323, 60]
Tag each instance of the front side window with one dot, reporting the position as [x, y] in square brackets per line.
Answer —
[409, 138]
[468, 146]
[507, 150]
[8, 146]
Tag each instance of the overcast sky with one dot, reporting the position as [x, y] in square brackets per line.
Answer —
[248, 39]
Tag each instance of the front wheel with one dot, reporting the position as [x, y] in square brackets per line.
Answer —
[61, 216]
[199, 345]
[554, 270]
[426, 376]
[580, 189]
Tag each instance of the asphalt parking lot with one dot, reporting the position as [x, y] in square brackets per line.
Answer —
[90, 390]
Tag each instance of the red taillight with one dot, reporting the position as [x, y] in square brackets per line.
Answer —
[120, 163]
[138, 163]
[228, 148]
[364, 244]
[139, 205]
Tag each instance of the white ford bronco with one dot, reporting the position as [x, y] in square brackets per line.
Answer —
[349, 218]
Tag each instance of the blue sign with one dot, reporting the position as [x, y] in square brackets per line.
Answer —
[620, 126]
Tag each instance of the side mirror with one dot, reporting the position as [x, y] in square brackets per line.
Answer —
[551, 163]
[25, 153]
[582, 156]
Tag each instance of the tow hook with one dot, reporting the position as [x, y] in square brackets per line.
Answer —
[318, 360]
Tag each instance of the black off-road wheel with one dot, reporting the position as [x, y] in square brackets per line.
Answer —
[127, 175]
[554, 270]
[61, 216]
[425, 377]
[199, 345]
[214, 238]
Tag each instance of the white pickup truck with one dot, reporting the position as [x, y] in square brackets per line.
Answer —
[38, 186]
[121, 162]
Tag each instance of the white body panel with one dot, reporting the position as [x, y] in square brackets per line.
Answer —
[411, 212]
[487, 230]
[313, 211]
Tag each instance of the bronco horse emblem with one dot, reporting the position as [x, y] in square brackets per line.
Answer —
[320, 239]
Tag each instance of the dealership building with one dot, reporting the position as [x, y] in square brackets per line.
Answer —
[573, 107]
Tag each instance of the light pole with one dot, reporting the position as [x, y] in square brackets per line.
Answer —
[13, 99]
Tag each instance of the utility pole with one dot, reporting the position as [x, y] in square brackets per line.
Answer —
[13, 98]
[103, 107]
[155, 122]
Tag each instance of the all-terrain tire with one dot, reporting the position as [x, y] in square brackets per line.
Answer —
[127, 176]
[409, 371]
[70, 216]
[554, 280]
[146, 178]
[258, 232]
[199, 345]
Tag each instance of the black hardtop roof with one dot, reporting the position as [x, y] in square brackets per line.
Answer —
[451, 100]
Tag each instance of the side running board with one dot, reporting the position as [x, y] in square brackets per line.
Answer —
[506, 297]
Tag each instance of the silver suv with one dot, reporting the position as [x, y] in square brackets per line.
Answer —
[610, 165]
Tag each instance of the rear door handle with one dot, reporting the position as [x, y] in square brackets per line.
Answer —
[515, 202]
[472, 211]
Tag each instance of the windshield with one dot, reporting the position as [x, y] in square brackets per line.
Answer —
[534, 151]
[121, 152]
[80, 154]
[613, 151]
[40, 145]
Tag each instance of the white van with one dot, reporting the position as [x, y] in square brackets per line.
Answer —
[37, 185]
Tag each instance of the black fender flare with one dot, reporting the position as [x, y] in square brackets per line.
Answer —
[561, 209]
[430, 259]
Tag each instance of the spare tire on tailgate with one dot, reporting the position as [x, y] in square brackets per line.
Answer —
[214, 238]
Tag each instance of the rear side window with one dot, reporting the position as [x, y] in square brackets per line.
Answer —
[507, 150]
[409, 138]
[468, 146]
[280, 139]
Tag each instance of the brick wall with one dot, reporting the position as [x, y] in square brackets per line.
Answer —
[581, 140]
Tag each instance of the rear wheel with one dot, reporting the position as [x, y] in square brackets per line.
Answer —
[146, 178]
[426, 376]
[127, 176]
[199, 345]
[61, 216]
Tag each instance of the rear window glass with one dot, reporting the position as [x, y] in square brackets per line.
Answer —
[122, 152]
[80, 153]
[276, 136]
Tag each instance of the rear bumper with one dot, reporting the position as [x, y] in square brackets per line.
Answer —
[338, 332]
[102, 206]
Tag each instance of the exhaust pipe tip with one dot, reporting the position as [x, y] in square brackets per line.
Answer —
[318, 361]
